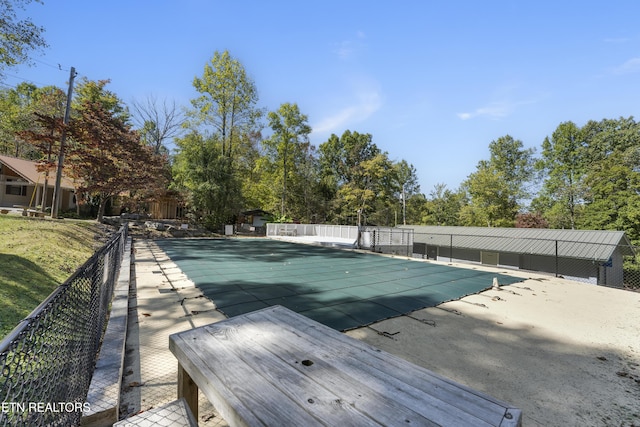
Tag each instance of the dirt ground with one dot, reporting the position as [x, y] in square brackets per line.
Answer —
[566, 353]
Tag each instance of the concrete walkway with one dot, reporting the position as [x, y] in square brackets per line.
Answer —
[162, 301]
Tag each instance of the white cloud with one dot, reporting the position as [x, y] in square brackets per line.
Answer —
[495, 110]
[346, 49]
[364, 104]
[631, 66]
[499, 109]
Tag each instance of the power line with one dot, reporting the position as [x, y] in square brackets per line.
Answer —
[26, 80]
[57, 67]
[8, 86]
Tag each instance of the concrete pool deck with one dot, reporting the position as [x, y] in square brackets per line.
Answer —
[565, 353]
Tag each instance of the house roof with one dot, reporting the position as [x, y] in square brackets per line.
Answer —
[256, 212]
[596, 245]
[27, 169]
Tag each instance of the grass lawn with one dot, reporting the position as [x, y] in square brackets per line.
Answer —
[36, 256]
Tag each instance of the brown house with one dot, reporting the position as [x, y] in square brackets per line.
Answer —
[22, 185]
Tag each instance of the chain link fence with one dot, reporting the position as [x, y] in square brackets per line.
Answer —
[47, 361]
[387, 240]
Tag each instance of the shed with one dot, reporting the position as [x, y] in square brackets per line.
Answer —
[255, 217]
[593, 256]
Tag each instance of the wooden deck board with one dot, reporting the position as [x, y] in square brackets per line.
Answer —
[276, 367]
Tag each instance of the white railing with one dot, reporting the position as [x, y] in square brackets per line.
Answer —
[321, 230]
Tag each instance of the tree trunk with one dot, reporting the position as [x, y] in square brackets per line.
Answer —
[101, 208]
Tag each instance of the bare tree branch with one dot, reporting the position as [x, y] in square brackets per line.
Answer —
[158, 121]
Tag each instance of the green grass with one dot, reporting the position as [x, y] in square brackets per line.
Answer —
[36, 256]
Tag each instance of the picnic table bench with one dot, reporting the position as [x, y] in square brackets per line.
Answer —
[27, 211]
[274, 367]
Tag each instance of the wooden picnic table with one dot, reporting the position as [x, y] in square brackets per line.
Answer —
[274, 367]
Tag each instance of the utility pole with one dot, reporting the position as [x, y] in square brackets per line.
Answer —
[57, 192]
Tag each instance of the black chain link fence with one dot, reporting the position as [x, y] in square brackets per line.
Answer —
[387, 240]
[48, 360]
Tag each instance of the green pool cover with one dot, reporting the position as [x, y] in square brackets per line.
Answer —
[341, 289]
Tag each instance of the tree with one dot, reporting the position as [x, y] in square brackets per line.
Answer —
[372, 192]
[157, 122]
[492, 202]
[90, 92]
[227, 101]
[200, 170]
[443, 207]
[288, 148]
[564, 163]
[18, 37]
[408, 183]
[224, 114]
[498, 185]
[531, 220]
[17, 106]
[514, 163]
[107, 157]
[44, 131]
[343, 178]
[612, 178]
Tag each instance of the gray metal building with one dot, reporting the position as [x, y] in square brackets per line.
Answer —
[594, 256]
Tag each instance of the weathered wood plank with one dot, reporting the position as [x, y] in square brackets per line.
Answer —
[234, 388]
[264, 372]
[350, 375]
[276, 367]
[337, 400]
[481, 405]
[188, 390]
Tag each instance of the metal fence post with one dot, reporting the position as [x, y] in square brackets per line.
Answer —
[556, 258]
[451, 248]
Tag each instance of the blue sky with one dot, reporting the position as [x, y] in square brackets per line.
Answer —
[434, 82]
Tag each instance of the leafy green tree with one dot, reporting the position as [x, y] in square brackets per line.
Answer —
[44, 131]
[612, 177]
[91, 92]
[491, 200]
[417, 209]
[17, 107]
[563, 162]
[346, 184]
[225, 115]
[514, 163]
[18, 37]
[498, 185]
[376, 197]
[443, 207]
[200, 170]
[407, 184]
[288, 151]
[227, 102]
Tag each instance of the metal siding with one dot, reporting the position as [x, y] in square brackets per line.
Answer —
[596, 245]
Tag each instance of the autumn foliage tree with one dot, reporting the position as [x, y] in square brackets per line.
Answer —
[107, 157]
